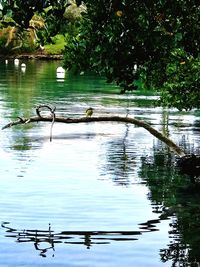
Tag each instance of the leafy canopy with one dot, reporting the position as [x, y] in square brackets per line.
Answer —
[156, 42]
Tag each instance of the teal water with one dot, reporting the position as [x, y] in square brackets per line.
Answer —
[99, 194]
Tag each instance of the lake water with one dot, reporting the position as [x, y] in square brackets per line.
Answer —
[100, 194]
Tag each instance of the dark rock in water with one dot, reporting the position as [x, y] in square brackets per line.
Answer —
[189, 164]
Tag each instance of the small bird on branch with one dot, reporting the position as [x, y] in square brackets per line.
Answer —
[89, 112]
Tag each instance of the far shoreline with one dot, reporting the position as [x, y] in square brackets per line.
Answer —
[32, 56]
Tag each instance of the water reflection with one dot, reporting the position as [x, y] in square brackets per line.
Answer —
[121, 157]
[46, 240]
[183, 250]
[179, 199]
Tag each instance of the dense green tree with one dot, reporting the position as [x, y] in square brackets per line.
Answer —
[154, 41]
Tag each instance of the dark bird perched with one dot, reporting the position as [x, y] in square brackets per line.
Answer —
[89, 112]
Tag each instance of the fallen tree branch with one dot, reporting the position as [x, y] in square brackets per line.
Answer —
[175, 148]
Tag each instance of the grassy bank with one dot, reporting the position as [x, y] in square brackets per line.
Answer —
[53, 50]
[57, 47]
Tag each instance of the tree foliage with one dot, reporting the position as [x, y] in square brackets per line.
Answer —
[20, 14]
[156, 42]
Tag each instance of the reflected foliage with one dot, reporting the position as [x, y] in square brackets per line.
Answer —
[23, 88]
[190, 164]
[120, 160]
[183, 249]
[180, 199]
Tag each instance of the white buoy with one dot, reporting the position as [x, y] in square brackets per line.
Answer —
[16, 62]
[60, 70]
[23, 65]
[6, 61]
[60, 76]
[135, 67]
